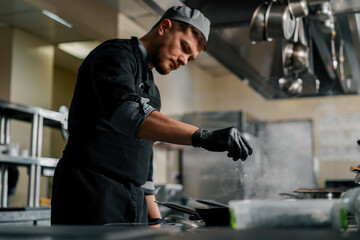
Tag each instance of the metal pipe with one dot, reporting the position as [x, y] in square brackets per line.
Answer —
[39, 136]
[34, 135]
[38, 167]
[7, 130]
[31, 173]
[2, 129]
[4, 139]
[1, 186]
[4, 189]
[37, 186]
[33, 153]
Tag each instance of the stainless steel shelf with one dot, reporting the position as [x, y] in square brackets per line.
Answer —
[37, 165]
[25, 113]
[25, 161]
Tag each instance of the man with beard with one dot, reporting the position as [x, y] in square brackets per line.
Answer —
[105, 173]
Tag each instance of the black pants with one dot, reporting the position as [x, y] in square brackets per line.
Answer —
[86, 197]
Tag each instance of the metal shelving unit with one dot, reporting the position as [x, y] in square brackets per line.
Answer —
[38, 118]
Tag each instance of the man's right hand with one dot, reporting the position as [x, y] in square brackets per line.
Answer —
[228, 139]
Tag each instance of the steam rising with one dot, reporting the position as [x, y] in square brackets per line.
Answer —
[281, 163]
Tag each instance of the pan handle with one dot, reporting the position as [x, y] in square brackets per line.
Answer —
[178, 207]
[211, 203]
[295, 196]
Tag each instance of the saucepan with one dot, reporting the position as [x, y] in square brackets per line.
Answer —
[214, 214]
[279, 23]
[295, 52]
[298, 8]
[295, 57]
[257, 24]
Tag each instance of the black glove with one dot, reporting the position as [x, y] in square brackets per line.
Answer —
[228, 139]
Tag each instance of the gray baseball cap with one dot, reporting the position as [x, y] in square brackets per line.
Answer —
[191, 16]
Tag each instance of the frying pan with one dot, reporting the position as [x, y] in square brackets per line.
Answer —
[211, 215]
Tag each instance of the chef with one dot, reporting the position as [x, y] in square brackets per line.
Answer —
[105, 173]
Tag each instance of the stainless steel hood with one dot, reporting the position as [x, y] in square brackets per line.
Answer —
[260, 64]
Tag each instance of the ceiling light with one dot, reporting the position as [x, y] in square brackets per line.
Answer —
[57, 18]
[78, 49]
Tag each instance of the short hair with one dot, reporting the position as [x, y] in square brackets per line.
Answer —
[183, 26]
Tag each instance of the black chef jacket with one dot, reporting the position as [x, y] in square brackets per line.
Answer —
[99, 177]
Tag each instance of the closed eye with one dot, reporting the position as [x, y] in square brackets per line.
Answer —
[185, 48]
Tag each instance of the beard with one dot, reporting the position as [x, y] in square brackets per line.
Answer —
[156, 59]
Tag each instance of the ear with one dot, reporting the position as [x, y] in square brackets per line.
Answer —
[164, 27]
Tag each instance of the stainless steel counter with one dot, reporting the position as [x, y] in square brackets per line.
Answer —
[25, 216]
[170, 232]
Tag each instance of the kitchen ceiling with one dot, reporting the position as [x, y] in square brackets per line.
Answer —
[23, 15]
[230, 48]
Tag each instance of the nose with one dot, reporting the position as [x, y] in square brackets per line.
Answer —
[182, 60]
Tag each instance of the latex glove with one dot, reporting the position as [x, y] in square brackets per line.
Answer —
[227, 139]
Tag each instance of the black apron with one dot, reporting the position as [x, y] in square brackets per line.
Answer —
[98, 178]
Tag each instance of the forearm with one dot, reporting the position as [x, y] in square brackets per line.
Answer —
[160, 127]
[153, 208]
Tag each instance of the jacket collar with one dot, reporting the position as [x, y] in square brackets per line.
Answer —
[140, 51]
